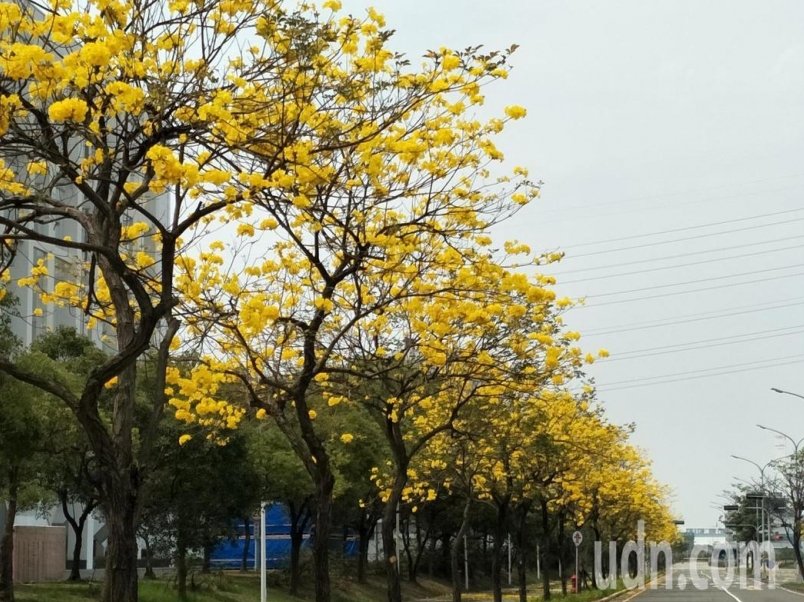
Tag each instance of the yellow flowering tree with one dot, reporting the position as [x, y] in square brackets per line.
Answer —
[333, 238]
[433, 361]
[134, 127]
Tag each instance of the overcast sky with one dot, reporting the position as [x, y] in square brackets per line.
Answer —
[647, 116]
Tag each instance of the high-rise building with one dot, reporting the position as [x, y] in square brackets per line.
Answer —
[33, 317]
[63, 264]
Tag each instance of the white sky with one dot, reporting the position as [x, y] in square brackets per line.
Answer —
[647, 116]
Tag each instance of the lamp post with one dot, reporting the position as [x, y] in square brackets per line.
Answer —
[733, 527]
[775, 390]
[762, 486]
[795, 443]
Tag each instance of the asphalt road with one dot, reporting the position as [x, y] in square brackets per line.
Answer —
[684, 590]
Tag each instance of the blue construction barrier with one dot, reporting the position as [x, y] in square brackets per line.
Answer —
[228, 554]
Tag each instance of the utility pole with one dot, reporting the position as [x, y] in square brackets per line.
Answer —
[466, 561]
[538, 563]
[509, 559]
[377, 540]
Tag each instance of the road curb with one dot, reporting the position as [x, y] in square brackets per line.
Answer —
[612, 596]
[641, 591]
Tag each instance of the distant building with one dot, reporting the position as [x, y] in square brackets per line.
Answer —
[709, 537]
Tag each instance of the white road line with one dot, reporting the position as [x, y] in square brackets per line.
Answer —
[729, 593]
[791, 591]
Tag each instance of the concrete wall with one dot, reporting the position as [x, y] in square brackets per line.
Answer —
[39, 553]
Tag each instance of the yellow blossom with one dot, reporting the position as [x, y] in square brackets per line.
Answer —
[69, 109]
[515, 111]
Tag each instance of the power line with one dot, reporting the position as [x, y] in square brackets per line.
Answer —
[683, 239]
[736, 336]
[704, 370]
[708, 343]
[675, 380]
[749, 309]
[698, 281]
[687, 228]
[674, 194]
[679, 255]
[682, 265]
[695, 290]
[729, 197]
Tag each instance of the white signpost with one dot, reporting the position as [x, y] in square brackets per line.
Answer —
[263, 563]
[577, 539]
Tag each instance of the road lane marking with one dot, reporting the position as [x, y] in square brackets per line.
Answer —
[791, 591]
[729, 593]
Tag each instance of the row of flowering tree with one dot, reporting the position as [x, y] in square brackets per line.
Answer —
[272, 191]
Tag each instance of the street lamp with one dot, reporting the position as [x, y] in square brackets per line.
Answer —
[775, 390]
[734, 527]
[788, 437]
[762, 486]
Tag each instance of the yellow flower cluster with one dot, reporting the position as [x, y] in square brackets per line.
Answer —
[69, 109]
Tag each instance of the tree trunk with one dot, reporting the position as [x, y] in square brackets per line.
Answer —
[413, 568]
[7, 546]
[562, 574]
[545, 551]
[485, 546]
[298, 522]
[122, 480]
[181, 567]
[325, 483]
[421, 547]
[455, 555]
[445, 549]
[797, 546]
[497, 549]
[296, 540]
[75, 569]
[363, 534]
[408, 544]
[597, 538]
[521, 559]
[78, 530]
[246, 543]
[121, 553]
[522, 576]
[388, 542]
[206, 565]
[149, 561]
